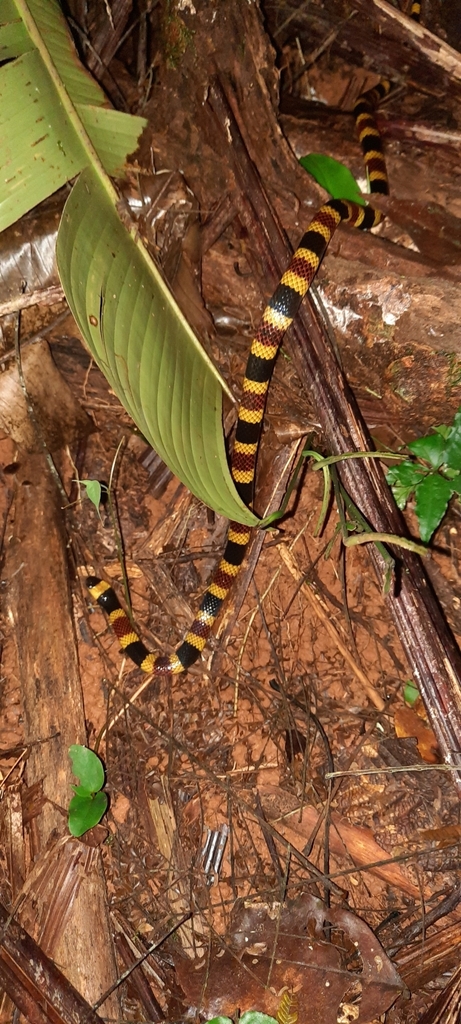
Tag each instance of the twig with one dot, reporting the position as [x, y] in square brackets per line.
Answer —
[41, 297]
[396, 768]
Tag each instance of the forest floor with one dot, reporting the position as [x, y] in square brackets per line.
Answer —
[291, 737]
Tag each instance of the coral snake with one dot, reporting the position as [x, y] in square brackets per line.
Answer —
[277, 317]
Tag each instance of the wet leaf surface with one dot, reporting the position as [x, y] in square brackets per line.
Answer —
[328, 956]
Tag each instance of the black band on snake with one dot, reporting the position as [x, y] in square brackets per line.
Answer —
[277, 317]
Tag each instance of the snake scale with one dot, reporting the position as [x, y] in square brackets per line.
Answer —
[276, 319]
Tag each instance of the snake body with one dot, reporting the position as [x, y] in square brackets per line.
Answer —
[276, 319]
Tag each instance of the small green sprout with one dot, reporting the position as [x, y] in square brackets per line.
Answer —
[89, 804]
[433, 479]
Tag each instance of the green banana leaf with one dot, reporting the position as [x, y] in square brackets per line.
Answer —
[49, 108]
[143, 345]
[52, 113]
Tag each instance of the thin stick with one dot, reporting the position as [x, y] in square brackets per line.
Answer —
[396, 768]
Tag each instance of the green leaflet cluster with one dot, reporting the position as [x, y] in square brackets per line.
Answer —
[433, 476]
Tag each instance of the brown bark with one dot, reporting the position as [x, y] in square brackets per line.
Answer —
[34, 983]
[69, 900]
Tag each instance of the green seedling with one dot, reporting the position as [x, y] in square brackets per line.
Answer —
[250, 1017]
[89, 803]
[410, 692]
[93, 492]
[433, 475]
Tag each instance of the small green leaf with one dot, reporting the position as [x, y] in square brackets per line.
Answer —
[410, 692]
[430, 448]
[443, 430]
[455, 482]
[88, 768]
[333, 176]
[220, 1020]
[432, 497]
[255, 1017]
[407, 472]
[453, 448]
[403, 479]
[82, 791]
[93, 492]
[457, 418]
[85, 812]
[144, 345]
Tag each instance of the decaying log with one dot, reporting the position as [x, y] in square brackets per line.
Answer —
[34, 983]
[66, 907]
[56, 411]
[404, 45]
[437, 56]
